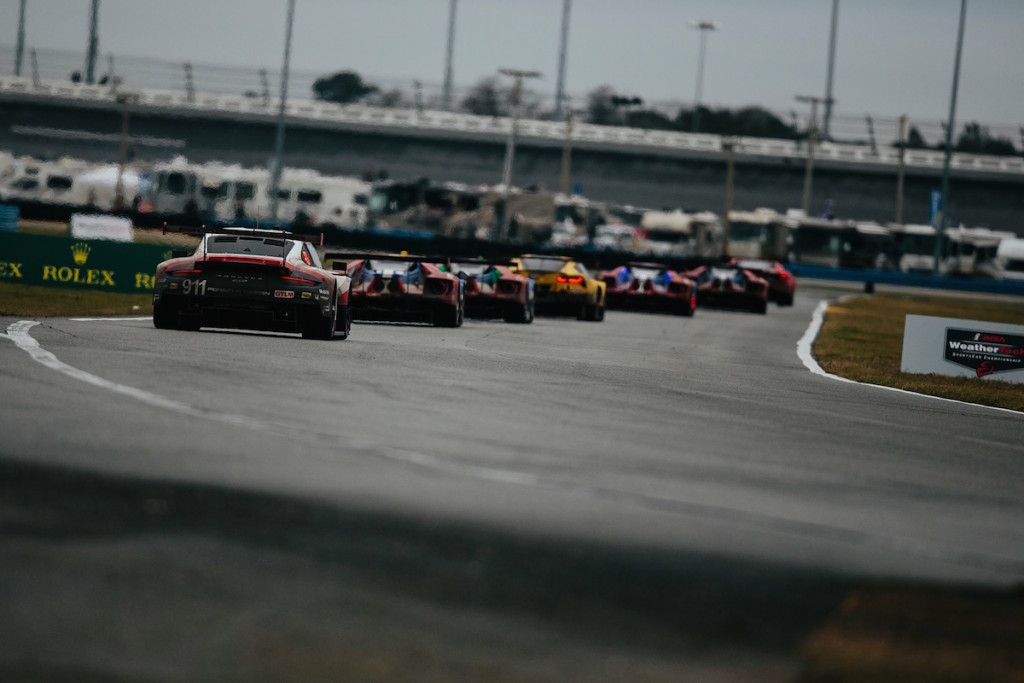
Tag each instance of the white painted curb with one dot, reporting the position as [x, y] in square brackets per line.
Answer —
[804, 351]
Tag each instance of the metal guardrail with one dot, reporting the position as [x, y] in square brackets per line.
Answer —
[888, 277]
[497, 127]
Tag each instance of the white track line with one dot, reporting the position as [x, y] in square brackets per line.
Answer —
[804, 350]
[92, 320]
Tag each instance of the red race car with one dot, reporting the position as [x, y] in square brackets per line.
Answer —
[402, 288]
[781, 282]
[730, 287]
[650, 286]
[495, 291]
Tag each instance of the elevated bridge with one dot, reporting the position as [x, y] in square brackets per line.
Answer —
[626, 165]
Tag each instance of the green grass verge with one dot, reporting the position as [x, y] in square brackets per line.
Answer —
[862, 339]
[37, 302]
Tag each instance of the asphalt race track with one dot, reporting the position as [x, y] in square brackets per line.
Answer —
[630, 500]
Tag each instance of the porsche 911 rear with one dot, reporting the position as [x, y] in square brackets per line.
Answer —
[239, 294]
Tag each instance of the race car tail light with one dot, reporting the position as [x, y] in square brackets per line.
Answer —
[302, 281]
[693, 301]
[508, 287]
[570, 279]
[439, 287]
[784, 275]
[183, 272]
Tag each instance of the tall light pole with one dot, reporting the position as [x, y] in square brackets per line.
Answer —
[510, 148]
[566, 180]
[19, 51]
[562, 58]
[275, 183]
[812, 135]
[703, 27]
[901, 169]
[827, 126]
[94, 42]
[446, 92]
[941, 215]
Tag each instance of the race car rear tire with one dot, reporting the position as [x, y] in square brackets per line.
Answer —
[521, 316]
[684, 308]
[786, 299]
[189, 323]
[319, 327]
[761, 306]
[450, 316]
[344, 323]
[165, 317]
[593, 313]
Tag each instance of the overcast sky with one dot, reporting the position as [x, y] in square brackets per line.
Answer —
[893, 57]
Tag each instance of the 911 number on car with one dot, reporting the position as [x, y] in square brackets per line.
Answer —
[193, 287]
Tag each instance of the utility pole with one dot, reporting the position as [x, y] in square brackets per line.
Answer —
[703, 27]
[565, 185]
[275, 182]
[125, 99]
[94, 42]
[19, 50]
[562, 58]
[831, 70]
[900, 169]
[190, 84]
[812, 135]
[446, 93]
[510, 148]
[730, 145]
[941, 216]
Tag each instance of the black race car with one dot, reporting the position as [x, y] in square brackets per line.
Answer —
[243, 278]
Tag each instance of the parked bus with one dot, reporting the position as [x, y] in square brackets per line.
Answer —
[761, 233]
[840, 244]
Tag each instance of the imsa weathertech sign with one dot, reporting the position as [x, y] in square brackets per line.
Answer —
[985, 352]
[969, 348]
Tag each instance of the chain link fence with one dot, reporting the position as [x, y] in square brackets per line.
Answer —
[150, 72]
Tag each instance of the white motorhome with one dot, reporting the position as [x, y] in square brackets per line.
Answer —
[677, 233]
[339, 201]
[175, 188]
[761, 233]
[51, 182]
[96, 188]
[1010, 259]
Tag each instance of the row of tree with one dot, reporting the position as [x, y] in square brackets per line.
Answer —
[605, 106]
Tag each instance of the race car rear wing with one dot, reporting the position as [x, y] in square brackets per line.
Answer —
[317, 238]
[339, 260]
[283, 235]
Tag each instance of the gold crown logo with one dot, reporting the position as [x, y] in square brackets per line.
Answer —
[80, 252]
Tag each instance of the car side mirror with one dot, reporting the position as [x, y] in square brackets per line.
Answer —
[180, 253]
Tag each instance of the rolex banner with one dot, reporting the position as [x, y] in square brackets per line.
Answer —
[61, 261]
[968, 348]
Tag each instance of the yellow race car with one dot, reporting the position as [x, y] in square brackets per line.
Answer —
[563, 287]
